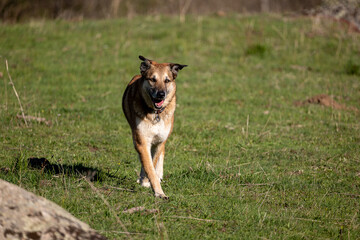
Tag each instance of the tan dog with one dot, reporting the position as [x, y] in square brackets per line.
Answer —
[149, 103]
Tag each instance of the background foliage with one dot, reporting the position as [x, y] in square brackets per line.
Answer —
[22, 10]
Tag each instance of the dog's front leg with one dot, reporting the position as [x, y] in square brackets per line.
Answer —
[144, 150]
[158, 159]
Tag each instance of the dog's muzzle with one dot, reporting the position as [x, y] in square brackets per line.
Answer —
[158, 99]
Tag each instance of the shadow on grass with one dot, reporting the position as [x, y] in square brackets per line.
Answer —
[92, 174]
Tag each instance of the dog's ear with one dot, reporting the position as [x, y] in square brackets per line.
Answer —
[142, 58]
[175, 68]
[145, 65]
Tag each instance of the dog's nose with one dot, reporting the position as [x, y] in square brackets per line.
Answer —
[161, 94]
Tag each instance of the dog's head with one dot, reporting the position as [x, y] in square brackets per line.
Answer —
[159, 81]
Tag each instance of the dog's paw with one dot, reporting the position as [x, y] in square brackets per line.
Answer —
[162, 196]
[144, 182]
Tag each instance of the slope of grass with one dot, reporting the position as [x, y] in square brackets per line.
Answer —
[243, 160]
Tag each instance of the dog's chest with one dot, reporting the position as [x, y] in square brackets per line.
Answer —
[153, 132]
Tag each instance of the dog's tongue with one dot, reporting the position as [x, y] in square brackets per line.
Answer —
[159, 104]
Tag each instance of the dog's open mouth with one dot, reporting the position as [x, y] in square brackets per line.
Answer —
[158, 102]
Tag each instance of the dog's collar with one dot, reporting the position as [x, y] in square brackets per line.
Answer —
[157, 112]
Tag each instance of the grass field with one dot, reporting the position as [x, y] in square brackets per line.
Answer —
[243, 161]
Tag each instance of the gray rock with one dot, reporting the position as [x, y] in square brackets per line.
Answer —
[23, 215]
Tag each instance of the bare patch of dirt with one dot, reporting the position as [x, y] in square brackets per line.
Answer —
[324, 100]
[93, 148]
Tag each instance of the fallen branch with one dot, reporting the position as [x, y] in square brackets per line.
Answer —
[238, 165]
[307, 219]
[134, 209]
[256, 184]
[108, 205]
[16, 94]
[139, 209]
[197, 219]
[119, 232]
[32, 118]
[348, 194]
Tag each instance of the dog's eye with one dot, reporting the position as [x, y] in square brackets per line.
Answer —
[152, 79]
[167, 80]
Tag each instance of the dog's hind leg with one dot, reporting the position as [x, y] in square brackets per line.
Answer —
[147, 164]
[159, 166]
[143, 180]
[157, 155]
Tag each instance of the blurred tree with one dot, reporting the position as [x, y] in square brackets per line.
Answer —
[20, 10]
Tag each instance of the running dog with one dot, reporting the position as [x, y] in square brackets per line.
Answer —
[149, 104]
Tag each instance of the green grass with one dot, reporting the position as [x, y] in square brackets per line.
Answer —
[243, 161]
